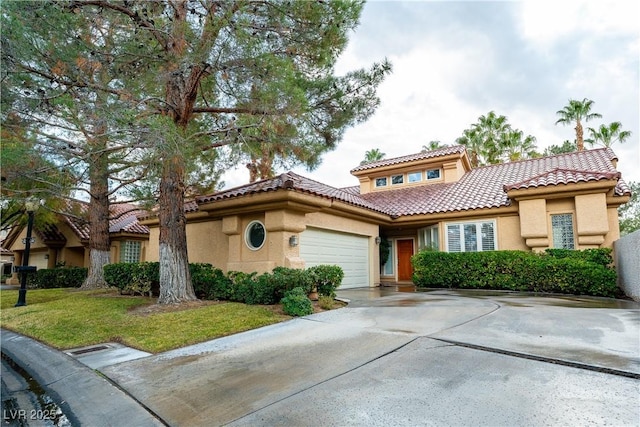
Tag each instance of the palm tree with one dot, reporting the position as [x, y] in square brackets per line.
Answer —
[608, 135]
[472, 140]
[372, 156]
[515, 146]
[491, 128]
[575, 112]
[432, 145]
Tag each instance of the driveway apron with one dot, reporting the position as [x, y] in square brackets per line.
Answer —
[401, 358]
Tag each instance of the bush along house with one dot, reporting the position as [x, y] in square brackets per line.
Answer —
[431, 199]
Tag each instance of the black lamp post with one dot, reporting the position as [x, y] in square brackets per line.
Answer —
[30, 206]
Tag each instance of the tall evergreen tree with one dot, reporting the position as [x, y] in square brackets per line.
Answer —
[197, 64]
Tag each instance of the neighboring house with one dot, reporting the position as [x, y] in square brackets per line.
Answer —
[426, 200]
[66, 242]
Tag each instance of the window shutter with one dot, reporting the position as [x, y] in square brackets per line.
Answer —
[488, 237]
[453, 238]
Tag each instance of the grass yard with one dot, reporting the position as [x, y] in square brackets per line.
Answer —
[68, 318]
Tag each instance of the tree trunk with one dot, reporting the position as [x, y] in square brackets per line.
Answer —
[99, 239]
[175, 279]
[579, 136]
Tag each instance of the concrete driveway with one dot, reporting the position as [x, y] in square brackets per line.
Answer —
[407, 359]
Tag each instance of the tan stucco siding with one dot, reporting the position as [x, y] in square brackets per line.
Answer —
[207, 243]
[508, 234]
[152, 253]
[592, 222]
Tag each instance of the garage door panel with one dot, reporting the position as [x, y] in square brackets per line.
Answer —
[349, 251]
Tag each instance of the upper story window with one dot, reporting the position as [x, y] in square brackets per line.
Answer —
[471, 236]
[414, 177]
[562, 231]
[381, 182]
[397, 179]
[433, 174]
[130, 251]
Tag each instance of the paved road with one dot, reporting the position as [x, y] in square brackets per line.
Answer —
[407, 359]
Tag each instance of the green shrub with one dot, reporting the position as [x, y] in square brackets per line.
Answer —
[285, 279]
[326, 278]
[208, 281]
[602, 256]
[68, 277]
[326, 302]
[296, 303]
[573, 272]
[134, 278]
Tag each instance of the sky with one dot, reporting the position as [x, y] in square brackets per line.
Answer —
[455, 61]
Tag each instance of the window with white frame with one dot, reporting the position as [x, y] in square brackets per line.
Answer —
[562, 231]
[381, 182]
[433, 174]
[387, 268]
[428, 238]
[471, 236]
[130, 251]
[414, 177]
[397, 179]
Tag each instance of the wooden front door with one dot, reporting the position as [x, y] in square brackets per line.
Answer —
[405, 252]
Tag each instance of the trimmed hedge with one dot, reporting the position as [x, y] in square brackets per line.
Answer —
[67, 277]
[296, 303]
[211, 283]
[555, 271]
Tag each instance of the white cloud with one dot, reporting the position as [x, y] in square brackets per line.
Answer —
[454, 61]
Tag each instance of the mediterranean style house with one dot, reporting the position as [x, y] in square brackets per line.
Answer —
[66, 242]
[426, 200]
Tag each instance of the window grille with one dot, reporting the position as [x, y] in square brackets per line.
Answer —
[471, 237]
[130, 251]
[562, 230]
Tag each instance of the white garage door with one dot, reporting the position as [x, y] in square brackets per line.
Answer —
[349, 251]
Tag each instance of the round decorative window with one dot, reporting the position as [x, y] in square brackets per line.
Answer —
[255, 235]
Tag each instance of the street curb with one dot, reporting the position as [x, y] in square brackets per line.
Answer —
[85, 397]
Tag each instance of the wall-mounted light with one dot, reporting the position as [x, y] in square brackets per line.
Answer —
[378, 240]
[293, 241]
[46, 256]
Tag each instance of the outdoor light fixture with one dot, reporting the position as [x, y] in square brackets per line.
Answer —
[293, 241]
[378, 240]
[30, 205]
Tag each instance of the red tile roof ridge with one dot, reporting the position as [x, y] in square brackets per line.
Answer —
[444, 151]
[579, 175]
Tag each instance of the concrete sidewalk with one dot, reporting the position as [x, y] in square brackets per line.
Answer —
[394, 358]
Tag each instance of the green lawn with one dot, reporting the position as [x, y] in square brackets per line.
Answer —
[68, 318]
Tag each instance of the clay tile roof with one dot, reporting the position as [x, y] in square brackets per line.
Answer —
[481, 188]
[295, 182]
[50, 233]
[486, 187]
[124, 219]
[561, 176]
[444, 151]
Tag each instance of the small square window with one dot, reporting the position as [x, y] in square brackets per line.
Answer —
[415, 177]
[381, 182]
[397, 179]
[433, 174]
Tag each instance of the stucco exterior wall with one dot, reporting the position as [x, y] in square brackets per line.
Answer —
[509, 234]
[627, 259]
[206, 243]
